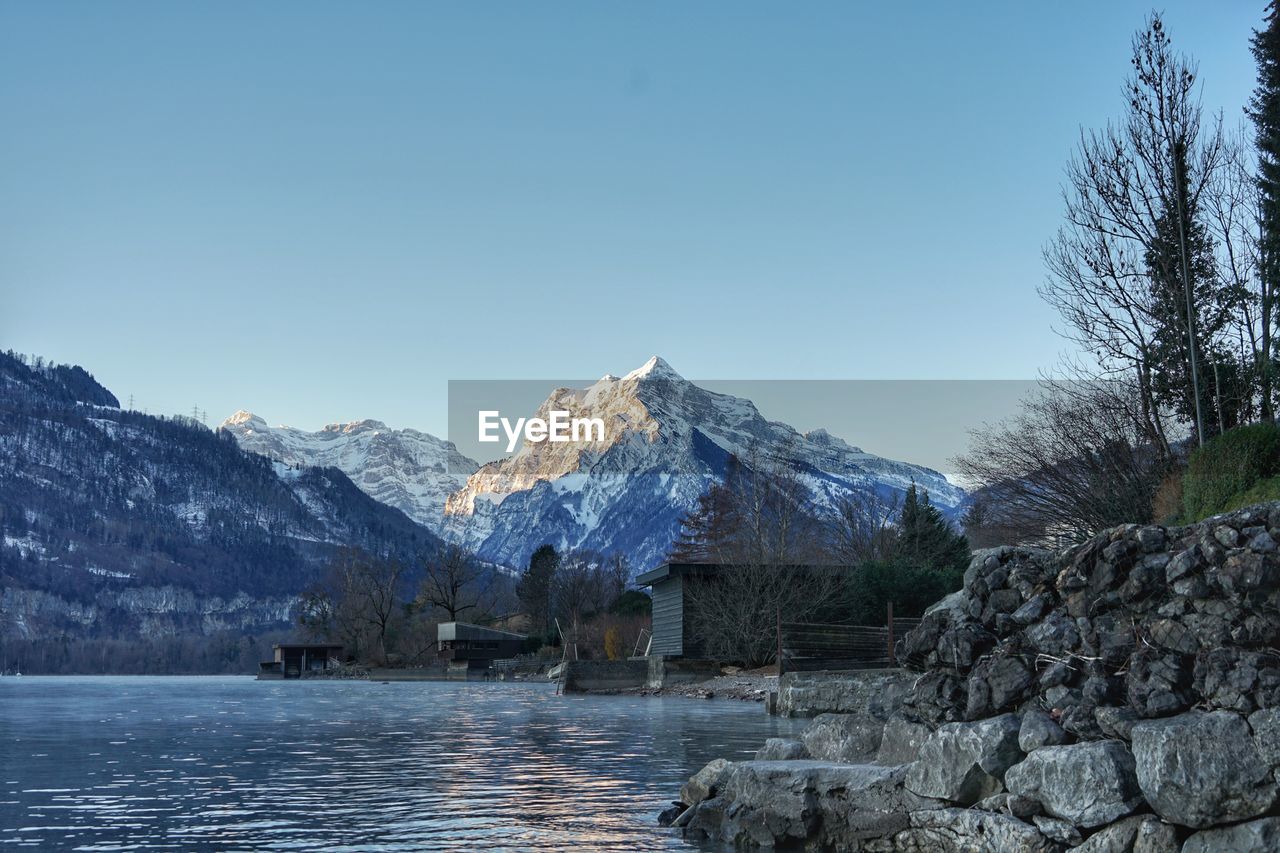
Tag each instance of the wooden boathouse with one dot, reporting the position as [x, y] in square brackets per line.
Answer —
[295, 660]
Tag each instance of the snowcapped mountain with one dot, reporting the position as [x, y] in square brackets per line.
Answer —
[666, 440]
[409, 470]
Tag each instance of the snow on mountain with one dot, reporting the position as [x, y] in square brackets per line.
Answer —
[666, 440]
[412, 471]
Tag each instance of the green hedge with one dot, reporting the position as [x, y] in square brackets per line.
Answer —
[1221, 473]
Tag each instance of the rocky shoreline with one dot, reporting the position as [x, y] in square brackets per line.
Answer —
[1121, 695]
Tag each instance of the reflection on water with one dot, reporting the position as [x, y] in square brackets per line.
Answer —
[231, 763]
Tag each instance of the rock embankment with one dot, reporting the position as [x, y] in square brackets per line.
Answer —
[1120, 695]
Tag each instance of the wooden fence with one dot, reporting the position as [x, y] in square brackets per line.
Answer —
[809, 646]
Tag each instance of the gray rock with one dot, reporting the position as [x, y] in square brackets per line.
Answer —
[965, 762]
[902, 741]
[1038, 730]
[1116, 722]
[1057, 830]
[1032, 609]
[1247, 571]
[964, 831]
[1183, 564]
[846, 738]
[1158, 684]
[1138, 834]
[1200, 769]
[1055, 635]
[996, 684]
[1152, 538]
[782, 749]
[703, 820]
[1263, 542]
[938, 697]
[1243, 837]
[1011, 804]
[702, 785]
[668, 816]
[767, 803]
[1266, 735]
[1237, 679]
[1229, 537]
[1088, 784]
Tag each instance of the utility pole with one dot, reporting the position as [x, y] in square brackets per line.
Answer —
[1179, 150]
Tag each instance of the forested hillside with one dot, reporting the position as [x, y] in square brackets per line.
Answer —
[120, 525]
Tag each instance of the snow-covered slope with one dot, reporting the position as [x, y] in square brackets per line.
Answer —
[666, 440]
[409, 470]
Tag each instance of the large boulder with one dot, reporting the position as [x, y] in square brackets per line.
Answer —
[901, 741]
[781, 749]
[1088, 784]
[1039, 730]
[965, 762]
[1201, 769]
[1138, 834]
[768, 803]
[847, 738]
[702, 785]
[964, 831]
[1255, 835]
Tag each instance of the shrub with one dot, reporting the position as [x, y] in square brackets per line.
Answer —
[1228, 466]
[1166, 503]
[910, 588]
[633, 602]
[613, 643]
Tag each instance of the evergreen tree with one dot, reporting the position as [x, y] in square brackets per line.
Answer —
[1264, 109]
[927, 539]
[1212, 305]
[535, 586]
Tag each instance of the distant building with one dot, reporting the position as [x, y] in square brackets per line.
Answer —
[673, 610]
[293, 660]
[475, 645]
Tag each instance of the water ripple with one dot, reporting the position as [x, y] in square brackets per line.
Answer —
[106, 764]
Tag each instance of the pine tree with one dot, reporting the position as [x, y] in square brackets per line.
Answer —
[927, 539]
[535, 585]
[1264, 109]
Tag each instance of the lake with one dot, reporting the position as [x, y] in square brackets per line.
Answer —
[111, 763]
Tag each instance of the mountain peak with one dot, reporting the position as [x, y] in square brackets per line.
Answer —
[243, 417]
[355, 426]
[654, 368]
[822, 437]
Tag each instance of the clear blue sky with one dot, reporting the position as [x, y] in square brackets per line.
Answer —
[323, 211]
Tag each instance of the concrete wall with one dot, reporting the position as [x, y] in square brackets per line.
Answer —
[878, 692]
[667, 671]
[583, 675]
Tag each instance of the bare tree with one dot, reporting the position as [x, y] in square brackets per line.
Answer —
[1076, 460]
[863, 530]
[452, 581]
[580, 588]
[357, 604]
[762, 533]
[1122, 188]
